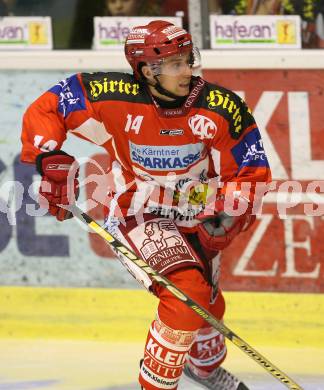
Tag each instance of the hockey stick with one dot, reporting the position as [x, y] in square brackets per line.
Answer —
[240, 343]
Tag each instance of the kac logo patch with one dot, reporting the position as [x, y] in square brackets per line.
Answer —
[202, 126]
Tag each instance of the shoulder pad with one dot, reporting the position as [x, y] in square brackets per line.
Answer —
[230, 106]
[101, 86]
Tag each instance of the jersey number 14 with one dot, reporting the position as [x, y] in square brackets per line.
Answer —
[134, 123]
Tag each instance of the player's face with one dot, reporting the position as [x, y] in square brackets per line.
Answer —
[122, 7]
[176, 72]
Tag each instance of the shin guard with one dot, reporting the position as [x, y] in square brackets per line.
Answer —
[207, 352]
[164, 356]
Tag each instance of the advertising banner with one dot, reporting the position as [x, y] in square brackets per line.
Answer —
[283, 251]
[110, 32]
[26, 33]
[34, 248]
[255, 31]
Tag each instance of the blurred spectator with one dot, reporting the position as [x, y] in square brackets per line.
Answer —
[215, 7]
[265, 7]
[132, 8]
[82, 33]
[122, 7]
[246, 7]
[310, 11]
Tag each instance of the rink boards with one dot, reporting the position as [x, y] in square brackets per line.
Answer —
[273, 319]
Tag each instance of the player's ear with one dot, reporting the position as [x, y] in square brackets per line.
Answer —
[147, 72]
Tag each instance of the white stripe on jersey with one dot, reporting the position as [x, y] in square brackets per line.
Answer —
[93, 130]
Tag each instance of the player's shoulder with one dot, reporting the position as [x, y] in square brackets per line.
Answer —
[229, 105]
[219, 98]
[101, 86]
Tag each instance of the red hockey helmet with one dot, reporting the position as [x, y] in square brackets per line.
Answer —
[155, 41]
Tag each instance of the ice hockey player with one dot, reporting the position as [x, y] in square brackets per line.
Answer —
[182, 151]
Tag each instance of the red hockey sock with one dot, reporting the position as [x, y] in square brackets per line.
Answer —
[164, 357]
[207, 352]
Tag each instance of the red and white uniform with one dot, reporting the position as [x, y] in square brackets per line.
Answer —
[155, 154]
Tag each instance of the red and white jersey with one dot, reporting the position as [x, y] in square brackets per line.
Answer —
[213, 135]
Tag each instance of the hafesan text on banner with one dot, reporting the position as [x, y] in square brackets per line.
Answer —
[110, 32]
[255, 31]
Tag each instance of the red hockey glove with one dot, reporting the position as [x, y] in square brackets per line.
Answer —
[59, 183]
[217, 232]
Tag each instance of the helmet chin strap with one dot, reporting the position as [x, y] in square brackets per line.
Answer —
[158, 86]
[164, 91]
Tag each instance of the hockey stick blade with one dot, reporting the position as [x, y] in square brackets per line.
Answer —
[234, 338]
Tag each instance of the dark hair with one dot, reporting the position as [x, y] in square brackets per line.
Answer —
[145, 8]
